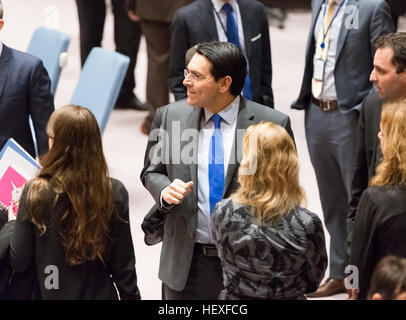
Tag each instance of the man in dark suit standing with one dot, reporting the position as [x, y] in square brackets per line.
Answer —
[192, 161]
[24, 91]
[242, 22]
[389, 76]
[339, 60]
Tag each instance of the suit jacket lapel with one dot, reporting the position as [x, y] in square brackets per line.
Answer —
[344, 30]
[315, 15]
[245, 118]
[4, 66]
[193, 123]
[206, 18]
[247, 20]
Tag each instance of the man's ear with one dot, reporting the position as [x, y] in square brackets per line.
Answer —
[1, 23]
[225, 84]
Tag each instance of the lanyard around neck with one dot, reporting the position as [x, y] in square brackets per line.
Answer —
[218, 17]
[322, 45]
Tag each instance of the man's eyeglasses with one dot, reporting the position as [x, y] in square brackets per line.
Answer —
[193, 76]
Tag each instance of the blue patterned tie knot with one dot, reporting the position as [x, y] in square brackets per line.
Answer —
[216, 118]
[227, 8]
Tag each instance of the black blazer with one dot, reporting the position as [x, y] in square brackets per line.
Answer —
[91, 280]
[379, 230]
[369, 155]
[195, 23]
[24, 91]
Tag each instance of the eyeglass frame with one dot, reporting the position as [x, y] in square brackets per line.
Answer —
[193, 76]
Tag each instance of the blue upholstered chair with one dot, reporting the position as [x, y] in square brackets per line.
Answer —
[51, 47]
[100, 83]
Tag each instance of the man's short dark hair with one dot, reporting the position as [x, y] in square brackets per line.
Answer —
[397, 42]
[1, 10]
[226, 60]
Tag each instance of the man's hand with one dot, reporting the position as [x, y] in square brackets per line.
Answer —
[177, 191]
[130, 6]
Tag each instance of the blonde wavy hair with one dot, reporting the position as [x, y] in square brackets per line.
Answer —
[272, 190]
[392, 169]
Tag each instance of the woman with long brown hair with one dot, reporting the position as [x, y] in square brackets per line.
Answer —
[73, 220]
[380, 225]
[269, 246]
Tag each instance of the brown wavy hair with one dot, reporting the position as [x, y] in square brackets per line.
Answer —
[392, 169]
[269, 173]
[75, 174]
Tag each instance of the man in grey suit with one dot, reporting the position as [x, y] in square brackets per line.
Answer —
[339, 60]
[178, 172]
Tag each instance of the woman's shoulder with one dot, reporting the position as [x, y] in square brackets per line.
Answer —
[385, 195]
[229, 204]
[118, 188]
[230, 207]
[304, 216]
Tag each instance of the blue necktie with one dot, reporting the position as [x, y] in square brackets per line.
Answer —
[232, 36]
[216, 164]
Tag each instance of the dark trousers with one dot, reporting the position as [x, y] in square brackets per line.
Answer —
[205, 280]
[127, 35]
[158, 37]
[331, 139]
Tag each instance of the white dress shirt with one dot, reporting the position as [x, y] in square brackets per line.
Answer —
[228, 124]
[329, 90]
[1, 48]
[221, 24]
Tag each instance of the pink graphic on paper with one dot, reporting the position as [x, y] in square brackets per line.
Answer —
[11, 185]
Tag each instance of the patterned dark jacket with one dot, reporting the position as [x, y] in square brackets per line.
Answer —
[282, 261]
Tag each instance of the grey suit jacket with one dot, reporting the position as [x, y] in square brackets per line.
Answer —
[195, 23]
[355, 52]
[179, 124]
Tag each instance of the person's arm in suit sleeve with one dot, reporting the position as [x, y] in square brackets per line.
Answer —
[316, 255]
[286, 125]
[179, 45]
[362, 246]
[381, 24]
[41, 103]
[266, 64]
[154, 176]
[22, 246]
[121, 263]
[359, 180]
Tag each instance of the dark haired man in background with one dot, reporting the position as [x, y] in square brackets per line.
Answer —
[389, 77]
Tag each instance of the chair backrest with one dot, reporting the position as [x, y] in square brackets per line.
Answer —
[100, 83]
[48, 45]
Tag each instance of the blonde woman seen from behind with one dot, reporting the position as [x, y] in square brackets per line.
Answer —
[270, 247]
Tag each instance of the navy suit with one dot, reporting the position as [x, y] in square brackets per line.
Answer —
[24, 91]
[195, 23]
